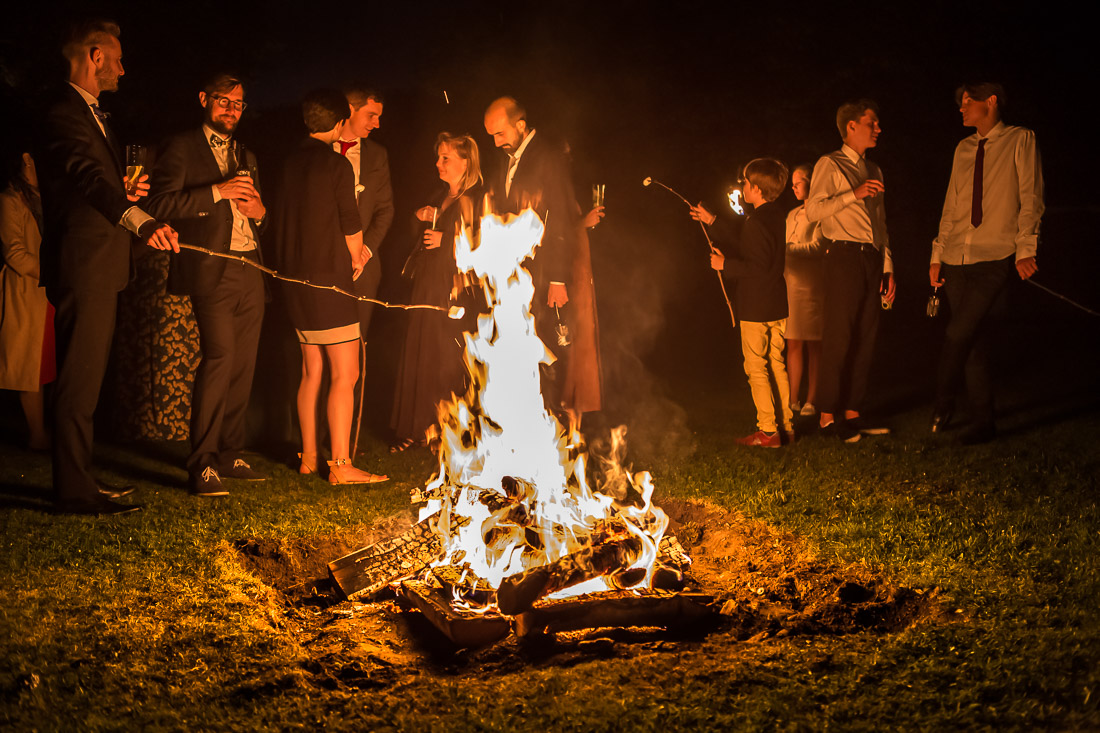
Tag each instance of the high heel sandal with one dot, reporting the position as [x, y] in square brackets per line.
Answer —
[309, 463]
[342, 471]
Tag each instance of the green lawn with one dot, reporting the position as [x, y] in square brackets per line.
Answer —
[153, 620]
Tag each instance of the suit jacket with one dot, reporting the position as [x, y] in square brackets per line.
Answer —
[375, 210]
[754, 263]
[83, 200]
[181, 194]
[543, 180]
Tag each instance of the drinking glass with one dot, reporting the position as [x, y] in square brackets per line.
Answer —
[135, 166]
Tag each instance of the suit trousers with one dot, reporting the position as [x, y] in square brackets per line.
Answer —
[973, 293]
[853, 276]
[84, 323]
[229, 320]
[762, 345]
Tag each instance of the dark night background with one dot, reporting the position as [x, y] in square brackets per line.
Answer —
[680, 91]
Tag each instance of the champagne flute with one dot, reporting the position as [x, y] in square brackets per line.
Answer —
[135, 166]
[597, 194]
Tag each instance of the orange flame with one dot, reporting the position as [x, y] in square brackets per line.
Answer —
[505, 462]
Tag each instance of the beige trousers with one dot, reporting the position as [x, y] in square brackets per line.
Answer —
[762, 345]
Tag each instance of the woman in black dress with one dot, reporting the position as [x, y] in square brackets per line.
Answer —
[431, 364]
[319, 238]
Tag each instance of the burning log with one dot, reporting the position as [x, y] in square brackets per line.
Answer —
[463, 628]
[461, 581]
[615, 608]
[518, 592]
[369, 570]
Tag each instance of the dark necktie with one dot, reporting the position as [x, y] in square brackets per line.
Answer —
[99, 113]
[346, 145]
[976, 202]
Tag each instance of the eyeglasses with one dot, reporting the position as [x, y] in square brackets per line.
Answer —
[226, 102]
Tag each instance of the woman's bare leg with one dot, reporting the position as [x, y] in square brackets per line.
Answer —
[313, 365]
[794, 368]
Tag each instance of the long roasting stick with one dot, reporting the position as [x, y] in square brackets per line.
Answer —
[710, 243]
[244, 260]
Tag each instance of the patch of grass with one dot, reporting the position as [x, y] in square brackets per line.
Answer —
[149, 621]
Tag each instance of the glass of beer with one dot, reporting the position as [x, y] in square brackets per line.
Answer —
[135, 166]
[597, 194]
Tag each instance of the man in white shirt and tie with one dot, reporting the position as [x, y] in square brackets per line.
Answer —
[990, 225]
[847, 196]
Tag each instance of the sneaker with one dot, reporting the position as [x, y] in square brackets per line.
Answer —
[760, 439]
[866, 428]
[241, 470]
[208, 483]
[796, 406]
[843, 432]
[807, 410]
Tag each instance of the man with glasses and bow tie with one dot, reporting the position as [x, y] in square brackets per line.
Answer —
[990, 225]
[90, 217]
[204, 184]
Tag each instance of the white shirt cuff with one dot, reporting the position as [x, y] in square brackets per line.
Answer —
[133, 219]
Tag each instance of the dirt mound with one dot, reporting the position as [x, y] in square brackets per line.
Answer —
[765, 582]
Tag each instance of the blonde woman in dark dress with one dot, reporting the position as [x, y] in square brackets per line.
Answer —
[431, 364]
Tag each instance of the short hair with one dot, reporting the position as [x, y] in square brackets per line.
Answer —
[357, 96]
[981, 91]
[466, 148]
[87, 34]
[767, 174]
[323, 109]
[512, 109]
[221, 83]
[806, 168]
[851, 112]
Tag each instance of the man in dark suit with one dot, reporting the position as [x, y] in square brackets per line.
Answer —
[536, 174]
[90, 217]
[373, 192]
[207, 191]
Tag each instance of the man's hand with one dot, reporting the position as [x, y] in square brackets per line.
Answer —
[592, 218]
[557, 296]
[160, 236]
[888, 287]
[142, 187]
[869, 188]
[238, 188]
[700, 213]
[253, 208]
[359, 262]
[1026, 267]
[432, 238]
[717, 260]
[934, 275]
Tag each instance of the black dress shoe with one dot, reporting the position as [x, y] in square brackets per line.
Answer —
[207, 483]
[240, 469]
[940, 421]
[100, 506]
[113, 492]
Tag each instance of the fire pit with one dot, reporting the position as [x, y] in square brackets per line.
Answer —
[519, 531]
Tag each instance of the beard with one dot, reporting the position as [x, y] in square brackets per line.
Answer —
[223, 126]
[107, 80]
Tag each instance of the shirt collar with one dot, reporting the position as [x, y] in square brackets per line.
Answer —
[523, 146]
[851, 153]
[208, 131]
[85, 94]
[997, 130]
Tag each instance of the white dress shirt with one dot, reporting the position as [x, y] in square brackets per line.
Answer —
[242, 239]
[133, 218]
[513, 163]
[832, 201]
[1012, 200]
